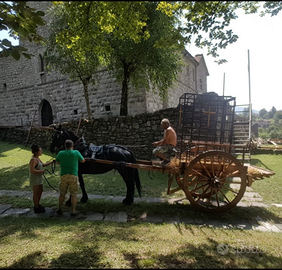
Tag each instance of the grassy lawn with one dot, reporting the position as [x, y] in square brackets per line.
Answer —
[52, 243]
[34, 243]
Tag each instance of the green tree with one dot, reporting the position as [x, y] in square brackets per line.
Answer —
[72, 61]
[278, 115]
[255, 116]
[139, 57]
[271, 7]
[262, 113]
[147, 64]
[272, 112]
[208, 21]
[275, 133]
[20, 21]
[90, 21]
[105, 27]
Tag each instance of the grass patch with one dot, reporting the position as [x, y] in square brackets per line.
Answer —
[59, 244]
[53, 243]
[14, 170]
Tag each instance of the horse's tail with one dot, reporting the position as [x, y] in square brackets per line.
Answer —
[135, 170]
[136, 175]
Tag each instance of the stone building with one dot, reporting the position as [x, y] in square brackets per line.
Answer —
[31, 95]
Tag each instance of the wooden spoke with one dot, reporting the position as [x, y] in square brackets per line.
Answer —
[214, 181]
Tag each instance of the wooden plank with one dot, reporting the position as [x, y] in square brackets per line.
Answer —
[259, 172]
[30, 128]
[136, 165]
[79, 124]
[253, 171]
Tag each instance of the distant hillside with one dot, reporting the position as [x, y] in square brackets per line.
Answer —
[241, 109]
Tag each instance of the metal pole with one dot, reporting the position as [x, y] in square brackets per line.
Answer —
[250, 103]
[223, 83]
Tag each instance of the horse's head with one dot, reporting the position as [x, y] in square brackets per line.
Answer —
[59, 137]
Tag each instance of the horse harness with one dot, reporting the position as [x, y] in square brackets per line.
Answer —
[96, 151]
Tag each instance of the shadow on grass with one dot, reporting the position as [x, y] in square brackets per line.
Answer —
[77, 244]
[15, 178]
[88, 258]
[164, 210]
[183, 211]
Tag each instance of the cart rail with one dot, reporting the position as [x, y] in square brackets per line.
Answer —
[253, 172]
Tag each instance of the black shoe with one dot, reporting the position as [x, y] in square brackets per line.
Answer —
[41, 206]
[59, 212]
[39, 210]
[74, 214]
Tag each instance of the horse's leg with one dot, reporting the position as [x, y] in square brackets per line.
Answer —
[84, 197]
[127, 175]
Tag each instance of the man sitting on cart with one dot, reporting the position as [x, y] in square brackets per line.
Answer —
[165, 145]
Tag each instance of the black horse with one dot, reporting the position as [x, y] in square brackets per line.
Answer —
[119, 154]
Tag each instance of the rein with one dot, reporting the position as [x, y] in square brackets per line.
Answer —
[78, 141]
[53, 167]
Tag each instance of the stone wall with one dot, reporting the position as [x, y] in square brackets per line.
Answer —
[136, 132]
[25, 85]
[24, 91]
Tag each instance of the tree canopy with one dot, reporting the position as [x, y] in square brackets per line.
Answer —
[140, 42]
[128, 20]
[19, 20]
[133, 56]
[148, 65]
[208, 21]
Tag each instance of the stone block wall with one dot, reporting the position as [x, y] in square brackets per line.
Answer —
[136, 132]
[23, 94]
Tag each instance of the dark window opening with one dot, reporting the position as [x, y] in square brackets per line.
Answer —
[41, 63]
[75, 111]
[108, 108]
[41, 67]
[5, 86]
[46, 114]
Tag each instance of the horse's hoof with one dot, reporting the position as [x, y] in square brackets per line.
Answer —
[83, 200]
[127, 202]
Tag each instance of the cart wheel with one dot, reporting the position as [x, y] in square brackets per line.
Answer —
[179, 180]
[214, 181]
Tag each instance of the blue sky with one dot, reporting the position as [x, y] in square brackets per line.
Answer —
[262, 38]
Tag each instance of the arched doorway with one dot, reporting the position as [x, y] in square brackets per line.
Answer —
[46, 113]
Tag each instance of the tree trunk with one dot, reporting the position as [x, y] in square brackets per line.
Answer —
[124, 99]
[86, 95]
[124, 91]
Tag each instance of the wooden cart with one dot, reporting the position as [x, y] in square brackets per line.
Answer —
[212, 180]
[206, 166]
